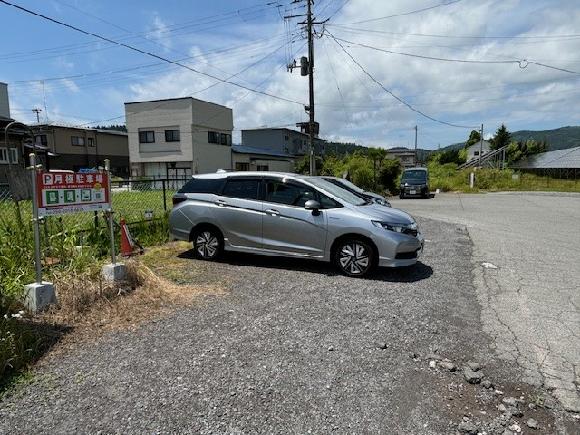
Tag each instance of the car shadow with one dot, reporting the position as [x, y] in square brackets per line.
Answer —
[417, 272]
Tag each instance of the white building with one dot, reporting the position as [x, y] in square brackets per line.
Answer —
[4, 101]
[473, 150]
[178, 137]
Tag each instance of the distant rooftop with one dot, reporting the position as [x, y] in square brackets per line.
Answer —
[59, 125]
[558, 159]
[253, 150]
[276, 129]
[400, 150]
[175, 99]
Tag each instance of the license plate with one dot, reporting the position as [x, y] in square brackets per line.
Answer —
[413, 192]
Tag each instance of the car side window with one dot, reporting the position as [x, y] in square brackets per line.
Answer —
[202, 185]
[242, 188]
[326, 202]
[293, 194]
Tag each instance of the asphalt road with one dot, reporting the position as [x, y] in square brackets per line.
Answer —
[531, 302]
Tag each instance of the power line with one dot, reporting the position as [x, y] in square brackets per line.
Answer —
[433, 35]
[523, 63]
[393, 94]
[202, 21]
[142, 66]
[335, 80]
[403, 14]
[237, 100]
[338, 10]
[147, 53]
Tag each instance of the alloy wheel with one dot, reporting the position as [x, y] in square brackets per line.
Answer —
[354, 258]
[207, 245]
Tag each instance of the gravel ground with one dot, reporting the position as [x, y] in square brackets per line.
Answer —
[292, 347]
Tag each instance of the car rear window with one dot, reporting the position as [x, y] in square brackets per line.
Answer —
[414, 175]
[202, 185]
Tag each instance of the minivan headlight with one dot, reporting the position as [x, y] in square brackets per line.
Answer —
[397, 228]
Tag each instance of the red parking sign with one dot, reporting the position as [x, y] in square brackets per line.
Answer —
[71, 192]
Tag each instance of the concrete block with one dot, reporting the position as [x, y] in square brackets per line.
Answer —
[39, 296]
[114, 272]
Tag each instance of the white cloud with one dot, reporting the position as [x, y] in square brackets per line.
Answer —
[158, 33]
[463, 93]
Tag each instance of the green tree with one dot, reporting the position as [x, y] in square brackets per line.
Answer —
[474, 137]
[502, 138]
[377, 155]
[389, 174]
[518, 150]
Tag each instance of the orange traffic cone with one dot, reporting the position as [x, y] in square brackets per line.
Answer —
[127, 242]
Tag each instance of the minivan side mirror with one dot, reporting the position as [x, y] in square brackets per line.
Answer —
[313, 205]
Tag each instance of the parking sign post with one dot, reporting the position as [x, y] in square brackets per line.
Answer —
[35, 220]
[40, 294]
[110, 211]
[114, 272]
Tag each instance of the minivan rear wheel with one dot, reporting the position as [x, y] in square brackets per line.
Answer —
[354, 257]
[207, 244]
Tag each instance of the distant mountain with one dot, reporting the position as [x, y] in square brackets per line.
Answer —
[341, 148]
[558, 139]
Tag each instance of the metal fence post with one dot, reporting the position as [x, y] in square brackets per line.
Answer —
[164, 197]
[111, 228]
[37, 264]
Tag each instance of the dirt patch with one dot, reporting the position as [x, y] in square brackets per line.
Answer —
[158, 283]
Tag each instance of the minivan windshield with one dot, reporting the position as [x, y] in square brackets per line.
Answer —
[348, 184]
[414, 175]
[337, 191]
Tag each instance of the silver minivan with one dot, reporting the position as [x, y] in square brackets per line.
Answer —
[292, 215]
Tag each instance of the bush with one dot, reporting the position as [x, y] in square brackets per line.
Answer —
[389, 175]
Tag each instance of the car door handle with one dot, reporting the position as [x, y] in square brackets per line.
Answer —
[221, 203]
[272, 212]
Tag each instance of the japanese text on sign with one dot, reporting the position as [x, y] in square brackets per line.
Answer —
[70, 192]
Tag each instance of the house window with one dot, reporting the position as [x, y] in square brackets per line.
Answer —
[242, 166]
[213, 137]
[262, 168]
[77, 141]
[41, 140]
[5, 152]
[219, 138]
[286, 137]
[147, 136]
[91, 141]
[172, 136]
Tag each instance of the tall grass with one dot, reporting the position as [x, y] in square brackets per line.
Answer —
[67, 251]
[448, 178]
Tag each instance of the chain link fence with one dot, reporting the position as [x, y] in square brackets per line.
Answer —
[133, 200]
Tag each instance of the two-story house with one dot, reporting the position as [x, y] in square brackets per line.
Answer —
[178, 137]
[404, 155]
[280, 140]
[74, 148]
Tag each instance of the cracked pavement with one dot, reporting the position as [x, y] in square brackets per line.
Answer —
[530, 302]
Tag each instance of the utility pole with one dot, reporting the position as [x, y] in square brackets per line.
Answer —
[480, 144]
[310, 87]
[307, 69]
[415, 145]
[37, 111]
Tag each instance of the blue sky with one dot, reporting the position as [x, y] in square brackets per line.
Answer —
[76, 79]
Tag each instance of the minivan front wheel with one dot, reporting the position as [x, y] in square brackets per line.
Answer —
[354, 257]
[207, 244]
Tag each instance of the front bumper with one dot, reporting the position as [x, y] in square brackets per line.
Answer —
[398, 250]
